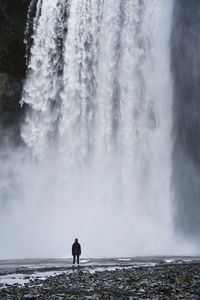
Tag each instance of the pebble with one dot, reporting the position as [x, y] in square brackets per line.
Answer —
[164, 281]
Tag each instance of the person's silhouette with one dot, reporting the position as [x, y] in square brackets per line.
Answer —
[76, 252]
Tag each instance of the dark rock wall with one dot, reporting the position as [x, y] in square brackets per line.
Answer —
[185, 65]
[12, 65]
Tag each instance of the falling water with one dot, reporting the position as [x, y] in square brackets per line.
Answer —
[98, 125]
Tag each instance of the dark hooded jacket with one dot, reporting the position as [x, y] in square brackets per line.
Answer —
[76, 249]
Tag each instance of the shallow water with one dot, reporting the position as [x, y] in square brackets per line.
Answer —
[22, 270]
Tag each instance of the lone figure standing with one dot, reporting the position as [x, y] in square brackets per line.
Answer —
[76, 252]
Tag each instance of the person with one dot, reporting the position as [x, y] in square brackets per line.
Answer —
[76, 252]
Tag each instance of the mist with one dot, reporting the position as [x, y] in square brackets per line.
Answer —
[185, 63]
[102, 154]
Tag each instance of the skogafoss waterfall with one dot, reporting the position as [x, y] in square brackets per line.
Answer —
[97, 130]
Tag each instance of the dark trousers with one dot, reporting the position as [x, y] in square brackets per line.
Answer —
[76, 256]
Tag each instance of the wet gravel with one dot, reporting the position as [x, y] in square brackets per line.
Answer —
[175, 281]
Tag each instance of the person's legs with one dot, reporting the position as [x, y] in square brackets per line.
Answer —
[74, 256]
[77, 259]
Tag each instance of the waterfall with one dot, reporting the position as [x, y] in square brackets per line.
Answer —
[99, 98]
[98, 123]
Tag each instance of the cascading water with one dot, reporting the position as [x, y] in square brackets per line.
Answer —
[98, 124]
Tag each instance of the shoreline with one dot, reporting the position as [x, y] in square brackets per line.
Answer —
[162, 281]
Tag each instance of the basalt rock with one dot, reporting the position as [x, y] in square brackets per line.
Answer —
[152, 283]
[12, 64]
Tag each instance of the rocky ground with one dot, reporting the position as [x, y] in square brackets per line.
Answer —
[177, 281]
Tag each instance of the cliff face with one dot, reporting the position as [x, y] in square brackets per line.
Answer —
[185, 63]
[12, 64]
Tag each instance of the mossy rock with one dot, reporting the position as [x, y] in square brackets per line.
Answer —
[10, 110]
[12, 50]
[12, 26]
[12, 65]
